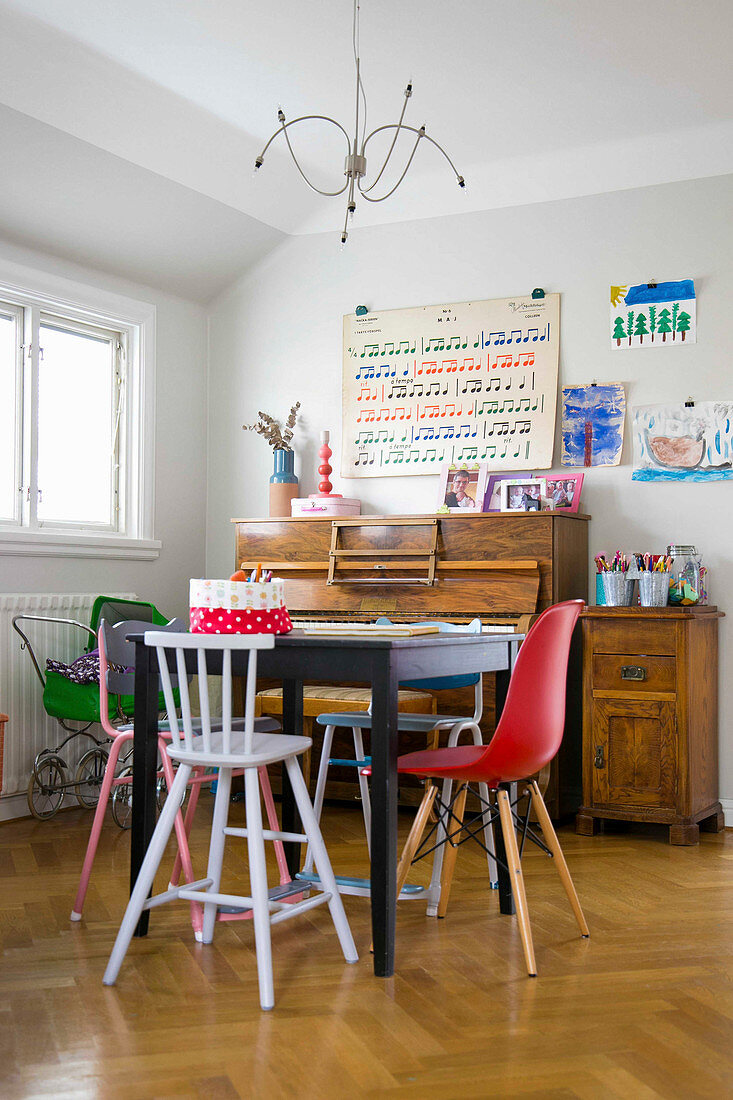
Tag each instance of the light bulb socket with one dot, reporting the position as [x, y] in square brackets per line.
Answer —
[408, 89]
[258, 163]
[280, 115]
[351, 208]
[461, 181]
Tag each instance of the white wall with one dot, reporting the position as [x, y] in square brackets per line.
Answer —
[275, 338]
[180, 463]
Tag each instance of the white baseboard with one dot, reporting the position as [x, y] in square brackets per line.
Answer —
[727, 804]
[12, 806]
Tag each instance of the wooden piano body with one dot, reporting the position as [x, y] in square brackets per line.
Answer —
[502, 567]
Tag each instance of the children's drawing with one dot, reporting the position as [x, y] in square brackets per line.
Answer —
[683, 442]
[593, 425]
[653, 315]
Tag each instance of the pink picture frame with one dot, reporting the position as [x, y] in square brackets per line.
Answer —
[563, 491]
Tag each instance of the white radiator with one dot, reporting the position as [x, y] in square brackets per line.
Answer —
[29, 729]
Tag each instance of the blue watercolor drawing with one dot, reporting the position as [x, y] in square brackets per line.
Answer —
[593, 424]
[681, 443]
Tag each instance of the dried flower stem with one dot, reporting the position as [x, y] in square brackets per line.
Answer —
[268, 427]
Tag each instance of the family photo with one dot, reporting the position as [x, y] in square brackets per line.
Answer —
[462, 488]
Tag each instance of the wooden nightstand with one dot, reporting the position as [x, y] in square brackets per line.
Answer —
[650, 719]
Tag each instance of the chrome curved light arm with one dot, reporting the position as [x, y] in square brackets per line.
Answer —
[398, 127]
[420, 136]
[284, 131]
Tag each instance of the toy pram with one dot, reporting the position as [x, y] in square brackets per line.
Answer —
[67, 701]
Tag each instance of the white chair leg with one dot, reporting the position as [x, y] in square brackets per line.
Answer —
[146, 877]
[323, 863]
[488, 827]
[440, 835]
[320, 788]
[366, 805]
[258, 886]
[216, 849]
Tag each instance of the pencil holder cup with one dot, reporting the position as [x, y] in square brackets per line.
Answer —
[653, 589]
[618, 590]
[238, 607]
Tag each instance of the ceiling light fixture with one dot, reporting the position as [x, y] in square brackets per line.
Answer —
[355, 166]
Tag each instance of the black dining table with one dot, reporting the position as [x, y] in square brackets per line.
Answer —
[382, 661]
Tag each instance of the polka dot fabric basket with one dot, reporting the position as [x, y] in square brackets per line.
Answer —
[238, 607]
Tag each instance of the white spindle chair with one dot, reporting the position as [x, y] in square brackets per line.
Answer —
[226, 748]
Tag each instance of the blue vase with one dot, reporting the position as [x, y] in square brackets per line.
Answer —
[283, 472]
[283, 483]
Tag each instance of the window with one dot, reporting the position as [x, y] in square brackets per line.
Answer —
[75, 426]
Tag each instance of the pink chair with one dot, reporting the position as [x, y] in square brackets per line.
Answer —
[115, 648]
[527, 737]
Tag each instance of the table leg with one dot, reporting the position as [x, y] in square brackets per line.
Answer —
[145, 764]
[506, 898]
[292, 724]
[384, 818]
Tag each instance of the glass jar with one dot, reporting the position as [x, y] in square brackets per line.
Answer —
[685, 580]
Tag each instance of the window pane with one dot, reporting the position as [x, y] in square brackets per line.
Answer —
[8, 362]
[75, 427]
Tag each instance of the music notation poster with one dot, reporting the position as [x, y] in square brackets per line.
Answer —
[464, 383]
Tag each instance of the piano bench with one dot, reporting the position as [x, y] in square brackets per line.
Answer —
[317, 700]
[321, 699]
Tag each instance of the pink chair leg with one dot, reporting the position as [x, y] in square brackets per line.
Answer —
[273, 822]
[184, 853]
[282, 863]
[104, 792]
[188, 822]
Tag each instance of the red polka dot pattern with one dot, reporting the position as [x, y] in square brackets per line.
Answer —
[219, 620]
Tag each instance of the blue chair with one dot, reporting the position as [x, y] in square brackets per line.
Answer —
[406, 723]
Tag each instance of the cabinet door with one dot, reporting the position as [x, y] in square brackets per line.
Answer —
[634, 753]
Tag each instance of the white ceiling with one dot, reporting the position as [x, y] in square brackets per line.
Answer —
[532, 99]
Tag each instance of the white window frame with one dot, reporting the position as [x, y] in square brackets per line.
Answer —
[40, 293]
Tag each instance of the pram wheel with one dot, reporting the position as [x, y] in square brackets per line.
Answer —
[46, 787]
[89, 776]
[161, 793]
[122, 800]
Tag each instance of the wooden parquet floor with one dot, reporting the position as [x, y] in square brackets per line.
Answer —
[643, 1009]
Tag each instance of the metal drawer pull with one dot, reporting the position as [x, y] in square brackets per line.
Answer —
[633, 672]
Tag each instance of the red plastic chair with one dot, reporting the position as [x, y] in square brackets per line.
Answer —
[527, 737]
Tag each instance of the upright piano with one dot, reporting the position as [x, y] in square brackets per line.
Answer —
[503, 568]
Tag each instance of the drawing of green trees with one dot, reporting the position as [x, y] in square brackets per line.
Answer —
[652, 320]
[663, 324]
[618, 331]
[683, 323]
[675, 311]
[630, 326]
[641, 330]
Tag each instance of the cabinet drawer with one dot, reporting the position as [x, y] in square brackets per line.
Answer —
[634, 636]
[633, 672]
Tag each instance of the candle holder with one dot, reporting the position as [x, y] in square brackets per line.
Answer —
[325, 470]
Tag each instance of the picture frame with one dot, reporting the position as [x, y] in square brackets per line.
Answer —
[522, 494]
[492, 496]
[460, 483]
[562, 491]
